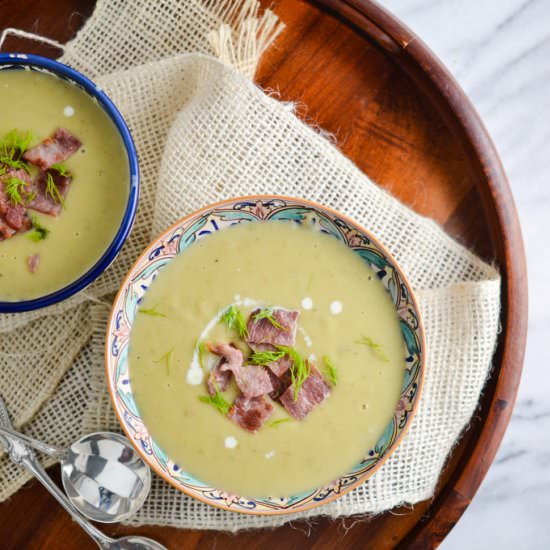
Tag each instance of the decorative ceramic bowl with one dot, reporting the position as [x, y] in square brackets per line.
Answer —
[20, 61]
[217, 217]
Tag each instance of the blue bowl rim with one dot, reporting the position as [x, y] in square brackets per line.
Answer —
[67, 73]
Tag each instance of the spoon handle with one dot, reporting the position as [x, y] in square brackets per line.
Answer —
[43, 447]
[36, 469]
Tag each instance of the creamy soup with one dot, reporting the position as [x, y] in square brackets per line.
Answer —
[346, 315]
[39, 103]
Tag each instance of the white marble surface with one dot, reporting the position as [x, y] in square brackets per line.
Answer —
[499, 50]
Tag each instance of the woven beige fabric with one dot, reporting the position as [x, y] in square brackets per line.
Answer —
[204, 132]
[59, 417]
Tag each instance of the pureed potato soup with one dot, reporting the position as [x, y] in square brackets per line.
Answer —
[64, 183]
[266, 359]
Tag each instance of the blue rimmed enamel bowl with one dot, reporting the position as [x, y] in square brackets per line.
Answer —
[20, 61]
[217, 217]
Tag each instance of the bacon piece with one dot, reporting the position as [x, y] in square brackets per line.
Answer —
[232, 355]
[279, 367]
[262, 331]
[54, 149]
[13, 215]
[5, 230]
[279, 383]
[250, 413]
[43, 201]
[252, 380]
[313, 392]
[4, 201]
[16, 217]
[218, 379]
[33, 262]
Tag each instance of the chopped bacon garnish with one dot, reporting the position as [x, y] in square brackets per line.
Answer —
[314, 391]
[271, 335]
[54, 149]
[33, 262]
[250, 413]
[43, 201]
[264, 331]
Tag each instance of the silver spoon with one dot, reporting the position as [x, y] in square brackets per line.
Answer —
[103, 475]
[20, 453]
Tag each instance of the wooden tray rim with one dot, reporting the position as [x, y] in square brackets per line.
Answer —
[392, 36]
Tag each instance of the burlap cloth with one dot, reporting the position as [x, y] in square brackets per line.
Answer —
[205, 132]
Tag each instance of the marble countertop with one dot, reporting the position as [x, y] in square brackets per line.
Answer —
[499, 50]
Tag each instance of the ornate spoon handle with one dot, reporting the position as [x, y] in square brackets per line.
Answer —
[39, 445]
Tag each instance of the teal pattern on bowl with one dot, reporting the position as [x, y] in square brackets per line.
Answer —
[255, 210]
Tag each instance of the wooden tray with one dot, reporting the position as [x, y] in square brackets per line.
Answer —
[397, 112]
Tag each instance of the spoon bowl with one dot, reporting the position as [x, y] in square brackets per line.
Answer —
[104, 477]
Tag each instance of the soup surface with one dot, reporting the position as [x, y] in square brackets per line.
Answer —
[39, 103]
[345, 314]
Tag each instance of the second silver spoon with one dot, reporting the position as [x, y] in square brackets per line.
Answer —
[103, 475]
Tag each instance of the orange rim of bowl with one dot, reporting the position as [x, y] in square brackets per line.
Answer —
[395, 265]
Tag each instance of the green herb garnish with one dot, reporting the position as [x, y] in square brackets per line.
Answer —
[166, 359]
[15, 190]
[265, 357]
[14, 143]
[12, 148]
[61, 169]
[39, 232]
[202, 348]
[376, 348]
[53, 191]
[16, 164]
[299, 370]
[218, 400]
[151, 311]
[30, 197]
[267, 313]
[330, 369]
[275, 423]
[310, 281]
[234, 319]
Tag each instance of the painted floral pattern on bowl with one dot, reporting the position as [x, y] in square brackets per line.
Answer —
[216, 218]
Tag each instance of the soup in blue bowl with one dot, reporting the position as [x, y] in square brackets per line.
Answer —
[68, 182]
